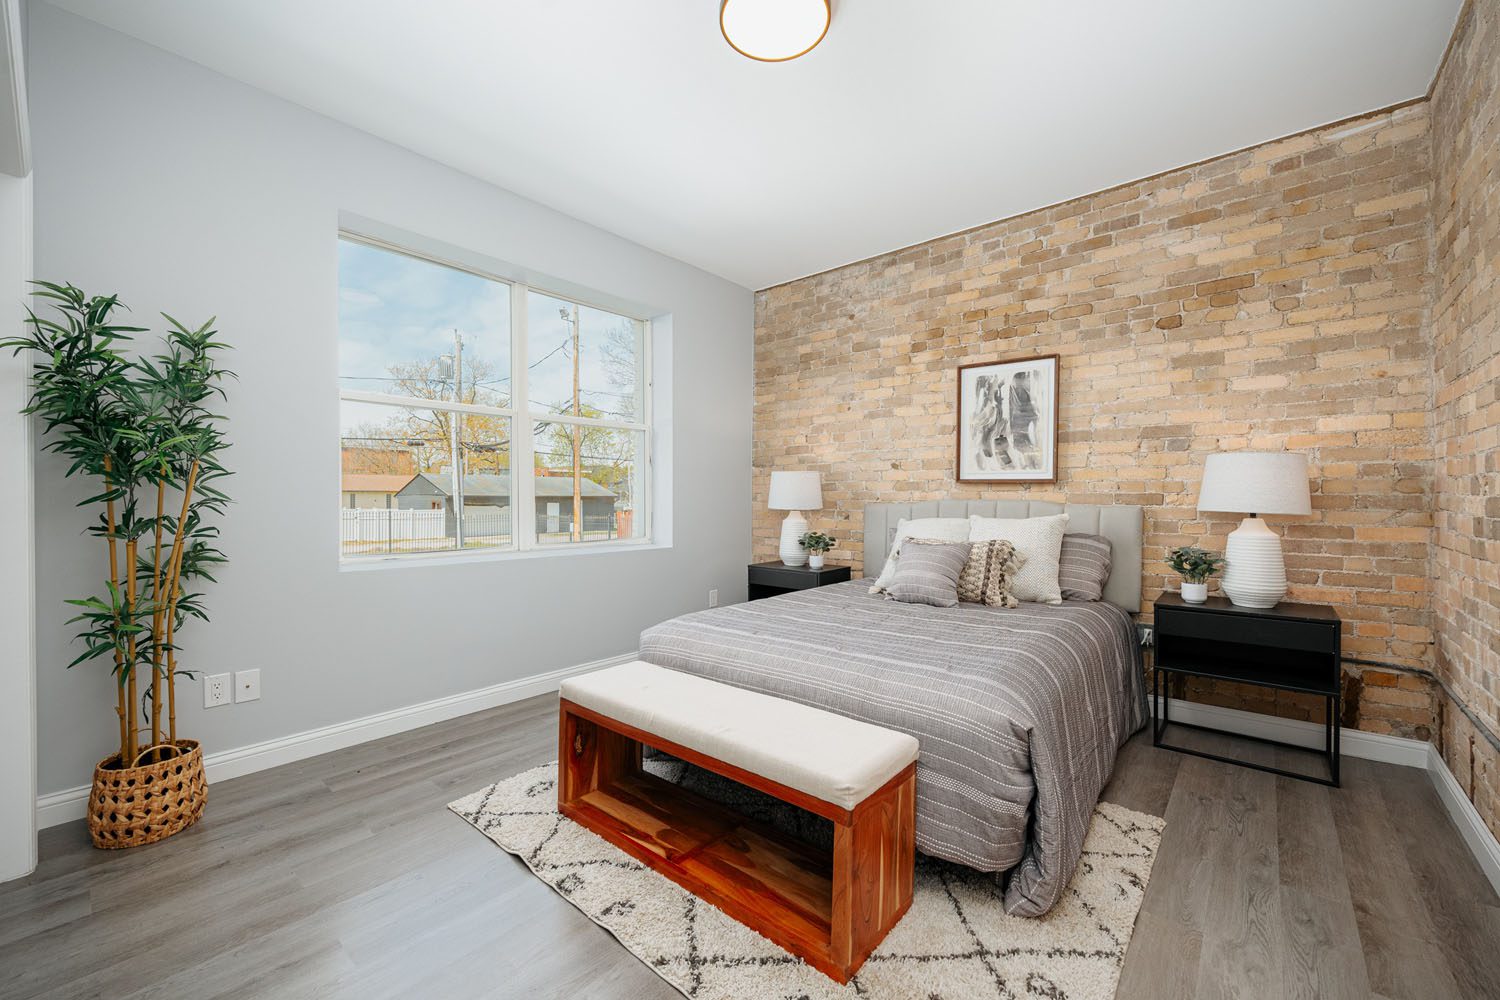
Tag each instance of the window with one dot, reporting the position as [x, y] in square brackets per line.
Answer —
[478, 414]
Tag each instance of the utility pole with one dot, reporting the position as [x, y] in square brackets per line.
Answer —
[577, 458]
[454, 445]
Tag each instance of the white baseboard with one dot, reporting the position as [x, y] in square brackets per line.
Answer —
[1353, 742]
[1366, 746]
[1482, 843]
[69, 804]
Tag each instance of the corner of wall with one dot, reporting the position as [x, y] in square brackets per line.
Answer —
[17, 573]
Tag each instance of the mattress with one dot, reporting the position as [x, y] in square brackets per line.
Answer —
[1019, 713]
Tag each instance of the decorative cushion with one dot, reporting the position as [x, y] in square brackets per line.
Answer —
[1039, 539]
[947, 529]
[989, 573]
[828, 756]
[928, 572]
[1083, 567]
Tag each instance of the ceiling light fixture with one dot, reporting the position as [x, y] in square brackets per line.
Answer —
[774, 30]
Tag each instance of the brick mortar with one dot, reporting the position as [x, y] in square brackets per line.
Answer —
[1464, 330]
[1324, 293]
[1272, 298]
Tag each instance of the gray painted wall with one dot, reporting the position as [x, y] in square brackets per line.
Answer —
[17, 617]
[187, 192]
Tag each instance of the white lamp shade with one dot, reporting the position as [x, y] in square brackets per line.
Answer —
[796, 491]
[1255, 482]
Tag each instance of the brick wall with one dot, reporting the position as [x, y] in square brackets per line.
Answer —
[1465, 333]
[1274, 298]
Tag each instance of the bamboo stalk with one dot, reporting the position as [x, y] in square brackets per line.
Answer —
[174, 574]
[132, 731]
[156, 615]
[114, 579]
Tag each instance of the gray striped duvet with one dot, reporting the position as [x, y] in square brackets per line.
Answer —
[1019, 712]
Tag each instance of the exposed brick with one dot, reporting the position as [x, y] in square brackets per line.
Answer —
[1464, 330]
[1226, 284]
[1332, 293]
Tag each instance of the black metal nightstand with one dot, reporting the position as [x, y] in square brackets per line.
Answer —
[772, 578]
[1291, 647]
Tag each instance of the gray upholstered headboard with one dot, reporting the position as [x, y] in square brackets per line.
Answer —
[1121, 524]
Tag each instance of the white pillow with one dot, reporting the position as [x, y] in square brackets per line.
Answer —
[943, 529]
[1039, 539]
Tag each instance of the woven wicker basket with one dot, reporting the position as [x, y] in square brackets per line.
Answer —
[131, 806]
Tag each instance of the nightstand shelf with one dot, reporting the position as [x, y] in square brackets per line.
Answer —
[1291, 647]
[772, 578]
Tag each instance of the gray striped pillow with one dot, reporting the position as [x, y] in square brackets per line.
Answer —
[1083, 567]
[928, 572]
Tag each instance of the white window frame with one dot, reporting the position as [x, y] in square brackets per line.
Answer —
[523, 473]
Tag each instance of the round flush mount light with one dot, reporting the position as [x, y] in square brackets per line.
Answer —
[774, 30]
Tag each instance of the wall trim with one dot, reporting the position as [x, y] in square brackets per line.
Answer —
[1482, 843]
[1365, 746]
[1353, 742]
[69, 804]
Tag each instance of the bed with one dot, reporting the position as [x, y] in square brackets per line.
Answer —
[1019, 713]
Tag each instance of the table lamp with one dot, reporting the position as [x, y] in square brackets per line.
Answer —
[795, 492]
[1255, 482]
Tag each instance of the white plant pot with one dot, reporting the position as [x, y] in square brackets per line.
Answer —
[815, 560]
[1194, 593]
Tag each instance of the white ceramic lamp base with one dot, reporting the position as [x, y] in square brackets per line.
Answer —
[1254, 572]
[792, 530]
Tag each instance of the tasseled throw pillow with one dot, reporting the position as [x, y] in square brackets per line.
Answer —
[987, 576]
[1039, 539]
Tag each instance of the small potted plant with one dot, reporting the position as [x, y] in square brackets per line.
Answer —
[1195, 566]
[817, 545]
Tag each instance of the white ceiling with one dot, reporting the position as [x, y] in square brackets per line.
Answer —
[911, 119]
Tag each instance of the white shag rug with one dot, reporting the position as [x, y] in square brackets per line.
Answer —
[955, 942]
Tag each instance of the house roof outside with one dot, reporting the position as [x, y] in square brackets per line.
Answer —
[497, 484]
[370, 482]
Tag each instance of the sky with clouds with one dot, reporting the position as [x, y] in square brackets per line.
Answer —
[394, 308]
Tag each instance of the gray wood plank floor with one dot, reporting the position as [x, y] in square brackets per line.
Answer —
[345, 876]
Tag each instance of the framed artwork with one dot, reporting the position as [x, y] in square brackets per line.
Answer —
[1007, 421]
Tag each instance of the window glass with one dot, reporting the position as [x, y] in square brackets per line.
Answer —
[600, 502]
[397, 490]
[609, 349]
[410, 327]
[429, 461]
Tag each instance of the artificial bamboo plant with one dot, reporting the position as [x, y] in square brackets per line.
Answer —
[141, 427]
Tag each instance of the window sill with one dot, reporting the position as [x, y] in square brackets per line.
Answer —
[413, 559]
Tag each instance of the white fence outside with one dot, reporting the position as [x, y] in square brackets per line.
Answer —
[374, 527]
[378, 530]
[389, 525]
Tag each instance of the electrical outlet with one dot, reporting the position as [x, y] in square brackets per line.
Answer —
[1147, 634]
[216, 690]
[713, 598]
[247, 685]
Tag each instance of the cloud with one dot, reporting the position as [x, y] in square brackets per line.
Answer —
[358, 297]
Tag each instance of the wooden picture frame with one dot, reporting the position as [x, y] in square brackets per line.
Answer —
[1006, 427]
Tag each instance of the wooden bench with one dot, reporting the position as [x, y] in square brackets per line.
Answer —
[832, 910]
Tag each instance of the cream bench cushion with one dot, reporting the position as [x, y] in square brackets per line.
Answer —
[827, 756]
